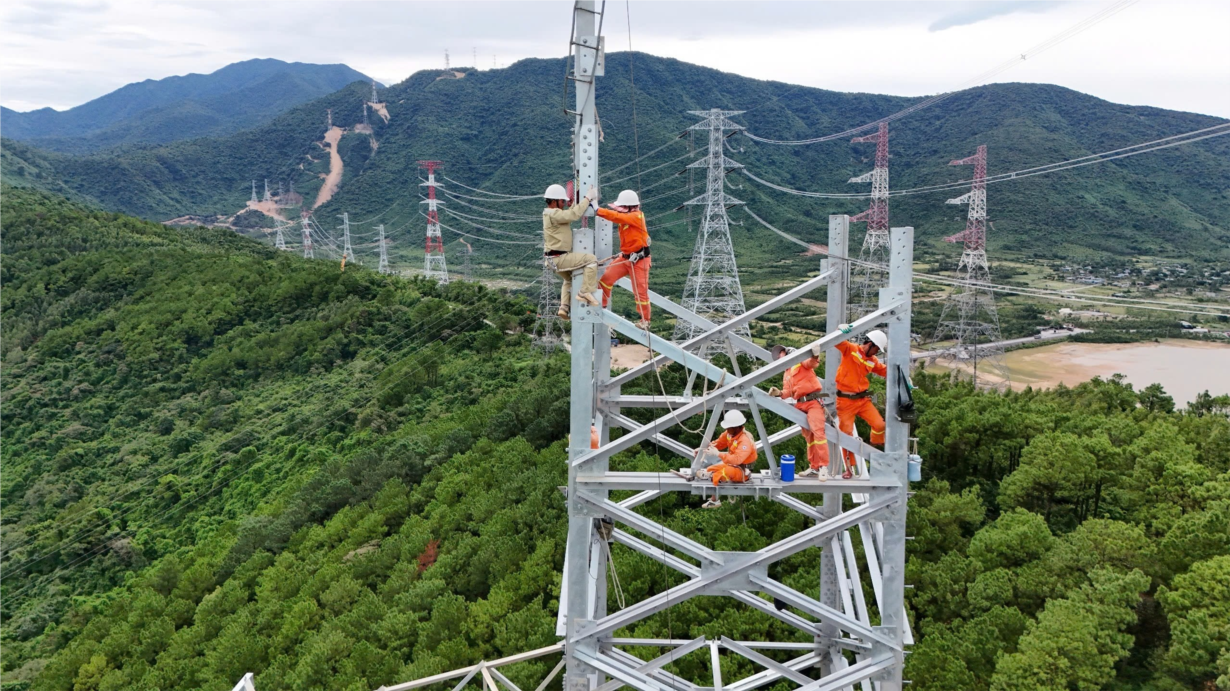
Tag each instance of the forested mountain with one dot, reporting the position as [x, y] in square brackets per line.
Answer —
[239, 96]
[505, 130]
[222, 459]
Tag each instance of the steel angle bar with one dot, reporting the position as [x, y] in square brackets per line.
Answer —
[818, 609]
[652, 529]
[850, 675]
[734, 323]
[686, 314]
[668, 642]
[662, 440]
[661, 345]
[676, 683]
[873, 567]
[769, 676]
[766, 662]
[848, 442]
[776, 552]
[488, 681]
[245, 683]
[469, 672]
[720, 393]
[843, 580]
[659, 401]
[856, 585]
[542, 685]
[656, 553]
[779, 437]
[623, 673]
[800, 506]
[760, 428]
[640, 498]
[778, 406]
[715, 661]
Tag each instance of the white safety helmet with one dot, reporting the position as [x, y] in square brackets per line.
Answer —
[877, 337]
[627, 198]
[733, 418]
[556, 192]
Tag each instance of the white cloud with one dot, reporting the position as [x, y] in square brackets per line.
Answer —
[1171, 55]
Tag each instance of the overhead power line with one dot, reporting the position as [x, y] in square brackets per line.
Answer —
[500, 195]
[1146, 147]
[1038, 49]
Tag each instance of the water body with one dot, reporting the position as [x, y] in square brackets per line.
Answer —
[1184, 368]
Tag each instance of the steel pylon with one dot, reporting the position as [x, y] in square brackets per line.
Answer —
[434, 265]
[548, 331]
[713, 289]
[970, 317]
[869, 275]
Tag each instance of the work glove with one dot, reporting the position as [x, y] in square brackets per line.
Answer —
[591, 194]
[844, 328]
[815, 350]
[775, 392]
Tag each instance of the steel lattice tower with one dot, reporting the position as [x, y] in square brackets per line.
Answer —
[384, 252]
[254, 192]
[548, 327]
[869, 276]
[347, 251]
[970, 317]
[268, 197]
[434, 265]
[712, 289]
[279, 242]
[307, 239]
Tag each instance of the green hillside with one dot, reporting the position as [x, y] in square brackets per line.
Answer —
[221, 459]
[505, 130]
[239, 96]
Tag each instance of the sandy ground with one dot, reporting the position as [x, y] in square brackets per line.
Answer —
[270, 209]
[381, 110]
[1183, 368]
[628, 356]
[334, 178]
[813, 250]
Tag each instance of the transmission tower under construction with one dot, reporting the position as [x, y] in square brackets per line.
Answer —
[383, 267]
[712, 289]
[434, 265]
[548, 327]
[307, 238]
[347, 250]
[970, 317]
[466, 270]
[870, 274]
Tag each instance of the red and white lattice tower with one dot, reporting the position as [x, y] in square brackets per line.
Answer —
[307, 238]
[970, 317]
[869, 275]
[433, 258]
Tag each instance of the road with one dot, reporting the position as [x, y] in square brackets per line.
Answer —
[1046, 335]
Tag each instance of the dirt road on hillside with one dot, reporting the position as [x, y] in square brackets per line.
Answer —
[334, 178]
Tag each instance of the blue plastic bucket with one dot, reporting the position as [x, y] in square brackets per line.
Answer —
[914, 469]
[786, 463]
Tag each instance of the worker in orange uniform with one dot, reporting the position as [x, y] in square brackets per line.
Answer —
[853, 396]
[801, 386]
[633, 252]
[736, 462]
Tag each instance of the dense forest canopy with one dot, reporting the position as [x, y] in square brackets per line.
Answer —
[221, 459]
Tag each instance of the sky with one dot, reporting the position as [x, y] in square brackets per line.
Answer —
[1165, 53]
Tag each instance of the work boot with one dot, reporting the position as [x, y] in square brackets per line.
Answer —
[847, 475]
[588, 299]
[713, 503]
[564, 313]
[643, 325]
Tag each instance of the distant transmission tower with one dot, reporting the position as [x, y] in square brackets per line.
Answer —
[446, 65]
[871, 274]
[268, 197]
[253, 191]
[365, 113]
[347, 251]
[466, 272]
[307, 239]
[434, 265]
[374, 92]
[548, 327]
[712, 289]
[279, 242]
[969, 315]
[384, 253]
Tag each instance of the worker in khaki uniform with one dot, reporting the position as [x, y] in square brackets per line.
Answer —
[801, 386]
[557, 223]
[853, 394]
[736, 462]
